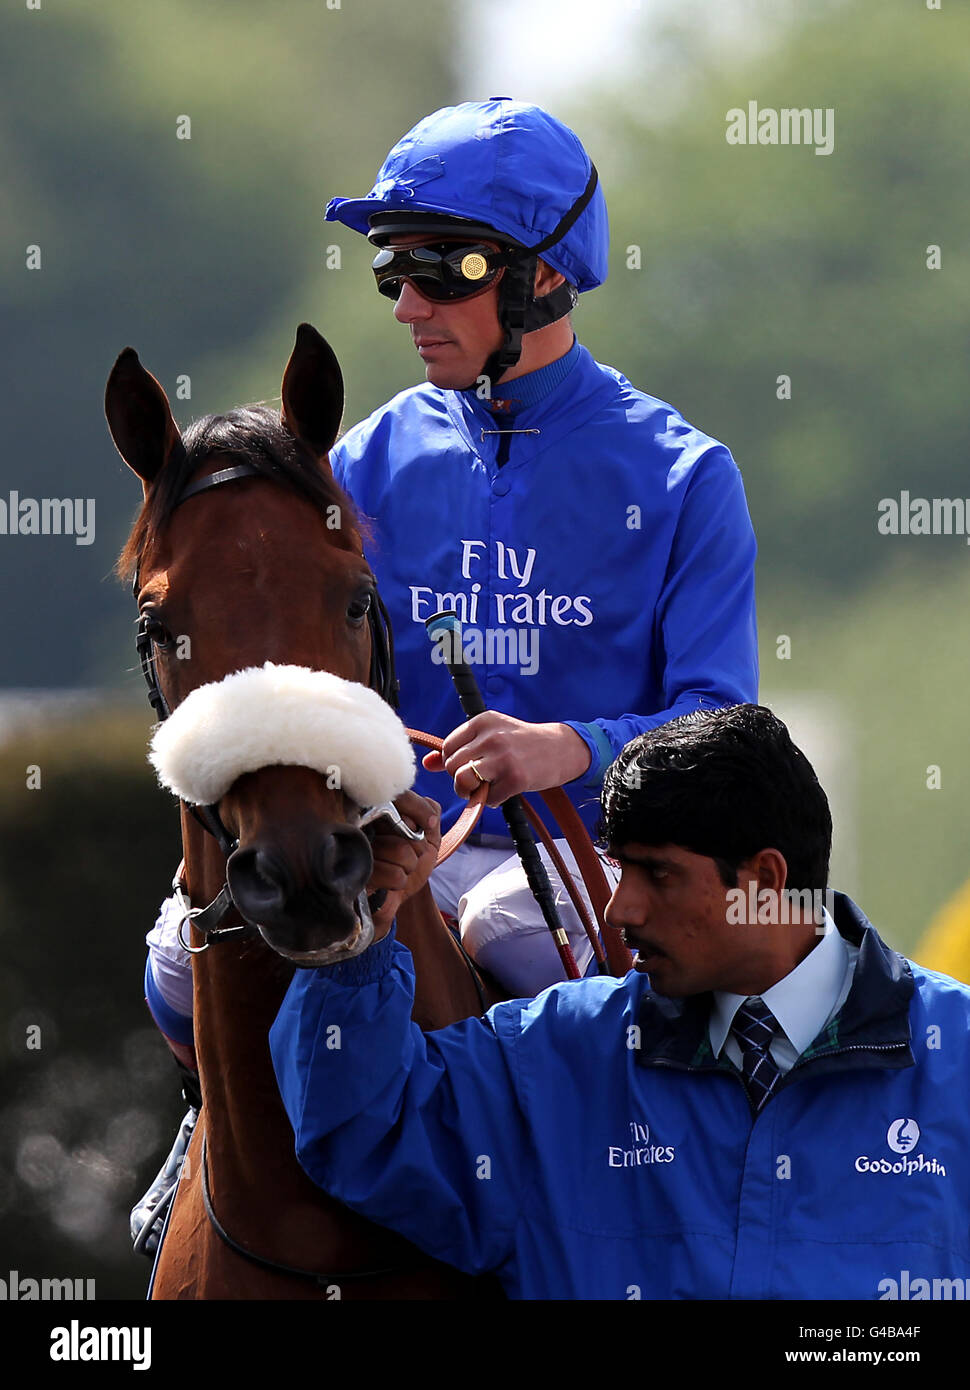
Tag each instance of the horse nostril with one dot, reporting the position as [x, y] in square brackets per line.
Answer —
[344, 861]
[257, 883]
[318, 884]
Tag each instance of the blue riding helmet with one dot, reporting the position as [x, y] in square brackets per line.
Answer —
[503, 167]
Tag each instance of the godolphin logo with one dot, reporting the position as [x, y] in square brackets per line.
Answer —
[903, 1136]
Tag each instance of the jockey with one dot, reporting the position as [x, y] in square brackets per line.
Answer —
[575, 524]
[596, 546]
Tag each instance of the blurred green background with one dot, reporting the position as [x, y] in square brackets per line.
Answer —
[730, 267]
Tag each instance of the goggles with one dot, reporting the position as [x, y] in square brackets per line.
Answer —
[441, 273]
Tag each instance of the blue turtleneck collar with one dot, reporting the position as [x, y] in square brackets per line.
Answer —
[524, 391]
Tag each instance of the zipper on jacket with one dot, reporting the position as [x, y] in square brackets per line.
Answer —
[801, 1061]
[850, 1047]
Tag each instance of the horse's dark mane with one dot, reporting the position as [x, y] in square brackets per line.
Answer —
[250, 434]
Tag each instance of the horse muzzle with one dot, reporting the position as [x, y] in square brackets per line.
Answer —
[313, 911]
[305, 892]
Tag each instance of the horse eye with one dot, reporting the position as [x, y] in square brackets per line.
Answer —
[359, 609]
[158, 633]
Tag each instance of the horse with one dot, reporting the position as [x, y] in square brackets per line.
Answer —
[247, 556]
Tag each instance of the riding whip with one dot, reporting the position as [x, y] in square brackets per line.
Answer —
[445, 629]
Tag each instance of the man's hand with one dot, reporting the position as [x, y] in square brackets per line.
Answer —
[511, 754]
[401, 866]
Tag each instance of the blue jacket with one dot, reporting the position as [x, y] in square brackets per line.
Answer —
[616, 537]
[582, 1160]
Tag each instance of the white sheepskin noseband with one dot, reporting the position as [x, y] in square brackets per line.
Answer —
[290, 715]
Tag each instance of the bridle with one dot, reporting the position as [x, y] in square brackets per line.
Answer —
[382, 679]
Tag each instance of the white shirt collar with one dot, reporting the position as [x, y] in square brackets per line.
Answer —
[802, 1002]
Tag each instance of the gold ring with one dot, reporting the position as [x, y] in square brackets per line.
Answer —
[474, 767]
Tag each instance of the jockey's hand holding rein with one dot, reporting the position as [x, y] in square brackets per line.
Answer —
[511, 754]
[401, 866]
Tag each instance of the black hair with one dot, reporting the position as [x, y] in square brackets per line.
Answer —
[724, 783]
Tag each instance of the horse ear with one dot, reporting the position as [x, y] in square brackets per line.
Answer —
[313, 392]
[139, 418]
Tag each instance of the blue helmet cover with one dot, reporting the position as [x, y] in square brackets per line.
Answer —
[505, 163]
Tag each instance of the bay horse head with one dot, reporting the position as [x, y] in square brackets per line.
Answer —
[262, 635]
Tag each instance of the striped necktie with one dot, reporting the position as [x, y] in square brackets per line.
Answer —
[754, 1027]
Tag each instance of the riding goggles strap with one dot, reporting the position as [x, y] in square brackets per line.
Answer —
[443, 273]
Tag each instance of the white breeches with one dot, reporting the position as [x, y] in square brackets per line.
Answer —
[501, 923]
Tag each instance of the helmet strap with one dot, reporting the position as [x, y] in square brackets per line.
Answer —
[515, 292]
[520, 311]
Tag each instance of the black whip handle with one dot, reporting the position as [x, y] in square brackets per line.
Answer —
[470, 697]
